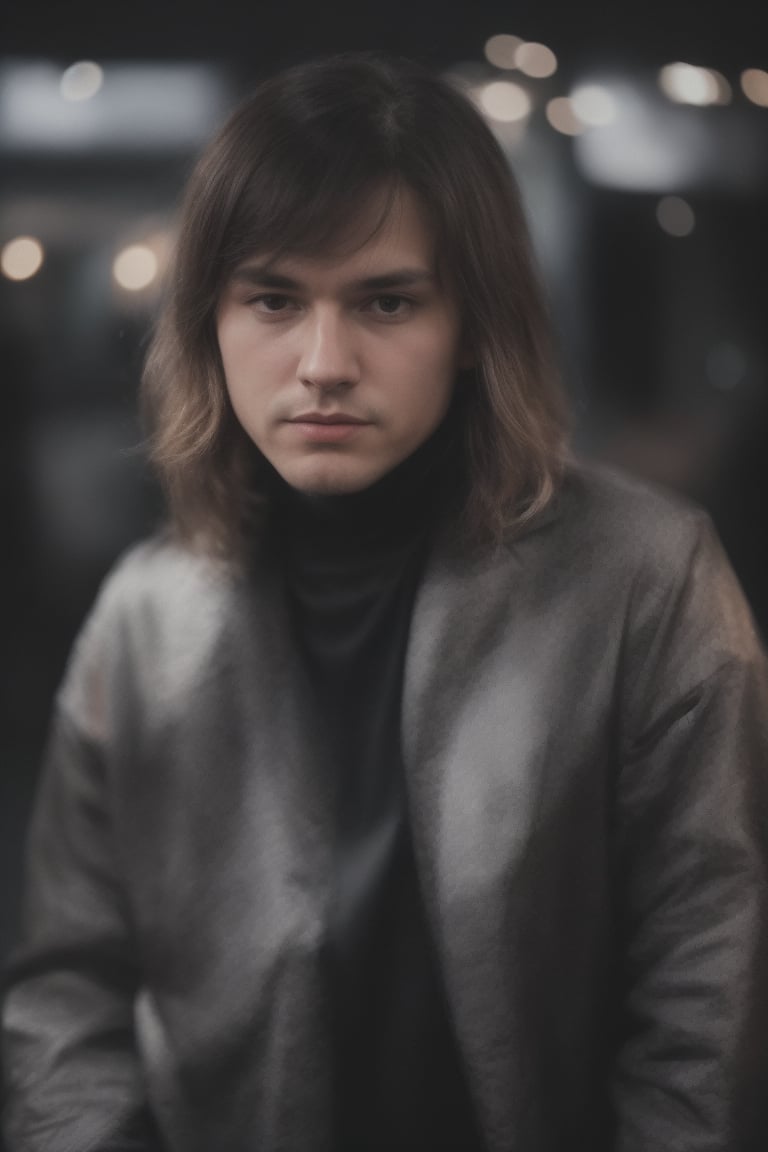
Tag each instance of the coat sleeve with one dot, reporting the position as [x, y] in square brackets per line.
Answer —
[73, 1079]
[691, 1071]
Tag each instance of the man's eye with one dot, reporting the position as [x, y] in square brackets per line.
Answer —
[391, 305]
[271, 302]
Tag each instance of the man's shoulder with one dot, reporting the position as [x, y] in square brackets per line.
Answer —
[606, 511]
[161, 570]
[602, 493]
[157, 619]
[608, 537]
[653, 555]
[157, 590]
[601, 519]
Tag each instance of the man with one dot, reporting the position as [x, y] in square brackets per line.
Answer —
[409, 793]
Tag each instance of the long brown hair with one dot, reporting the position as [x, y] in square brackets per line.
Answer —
[287, 172]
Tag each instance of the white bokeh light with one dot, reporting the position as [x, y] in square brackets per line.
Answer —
[724, 91]
[21, 258]
[135, 267]
[594, 105]
[502, 100]
[688, 84]
[81, 81]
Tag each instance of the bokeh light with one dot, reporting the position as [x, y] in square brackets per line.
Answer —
[135, 267]
[21, 258]
[505, 101]
[688, 84]
[724, 91]
[562, 116]
[81, 81]
[536, 60]
[501, 50]
[675, 216]
[594, 105]
[754, 85]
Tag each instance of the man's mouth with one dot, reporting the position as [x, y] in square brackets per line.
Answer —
[326, 418]
[327, 427]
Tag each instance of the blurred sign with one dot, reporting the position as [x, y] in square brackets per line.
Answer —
[122, 106]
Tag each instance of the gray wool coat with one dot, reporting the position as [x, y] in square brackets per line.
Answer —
[585, 741]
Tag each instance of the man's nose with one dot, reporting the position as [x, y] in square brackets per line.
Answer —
[328, 355]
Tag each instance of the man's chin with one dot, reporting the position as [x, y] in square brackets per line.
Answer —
[331, 481]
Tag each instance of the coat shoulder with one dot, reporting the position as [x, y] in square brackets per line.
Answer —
[158, 569]
[609, 508]
[162, 608]
[608, 527]
[664, 552]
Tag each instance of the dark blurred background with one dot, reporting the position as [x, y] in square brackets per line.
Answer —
[639, 133]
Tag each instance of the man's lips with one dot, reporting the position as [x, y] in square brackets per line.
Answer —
[326, 418]
[327, 427]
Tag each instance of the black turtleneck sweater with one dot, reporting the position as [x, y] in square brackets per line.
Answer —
[352, 564]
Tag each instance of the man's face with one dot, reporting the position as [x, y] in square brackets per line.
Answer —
[338, 367]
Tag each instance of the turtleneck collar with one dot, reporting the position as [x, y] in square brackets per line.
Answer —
[402, 506]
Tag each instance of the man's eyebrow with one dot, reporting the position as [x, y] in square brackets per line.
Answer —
[265, 276]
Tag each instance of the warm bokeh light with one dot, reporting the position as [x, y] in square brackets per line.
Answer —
[505, 101]
[21, 258]
[562, 116]
[754, 85]
[594, 105]
[500, 50]
[81, 81]
[536, 60]
[688, 84]
[675, 216]
[135, 267]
